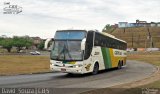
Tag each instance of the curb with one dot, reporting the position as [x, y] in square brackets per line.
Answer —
[29, 73]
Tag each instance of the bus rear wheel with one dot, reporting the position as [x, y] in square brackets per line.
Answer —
[95, 69]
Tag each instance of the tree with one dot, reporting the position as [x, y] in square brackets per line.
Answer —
[21, 42]
[18, 42]
[1, 39]
[41, 46]
[108, 29]
[6, 43]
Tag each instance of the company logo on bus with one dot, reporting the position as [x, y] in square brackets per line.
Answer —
[118, 53]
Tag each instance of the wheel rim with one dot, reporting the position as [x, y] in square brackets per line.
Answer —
[95, 71]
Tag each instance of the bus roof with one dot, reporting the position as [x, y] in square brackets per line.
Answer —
[77, 30]
[106, 34]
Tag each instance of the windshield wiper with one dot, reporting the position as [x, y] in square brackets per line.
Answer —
[68, 51]
[62, 51]
[65, 51]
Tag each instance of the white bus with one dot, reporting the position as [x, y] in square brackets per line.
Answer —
[81, 51]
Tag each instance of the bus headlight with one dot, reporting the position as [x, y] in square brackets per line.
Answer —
[79, 65]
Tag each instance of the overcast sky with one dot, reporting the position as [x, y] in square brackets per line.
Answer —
[43, 17]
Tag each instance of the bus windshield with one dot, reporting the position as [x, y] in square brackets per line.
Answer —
[70, 34]
[66, 50]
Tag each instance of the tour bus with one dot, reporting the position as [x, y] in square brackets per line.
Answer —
[81, 51]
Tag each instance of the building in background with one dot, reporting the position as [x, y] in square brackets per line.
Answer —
[3, 36]
[138, 24]
[36, 42]
[114, 26]
[122, 24]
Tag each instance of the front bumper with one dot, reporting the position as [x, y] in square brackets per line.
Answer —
[66, 69]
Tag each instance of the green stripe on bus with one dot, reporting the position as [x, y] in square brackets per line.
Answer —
[109, 57]
[106, 57]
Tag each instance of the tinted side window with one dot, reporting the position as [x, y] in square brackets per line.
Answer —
[89, 44]
[105, 41]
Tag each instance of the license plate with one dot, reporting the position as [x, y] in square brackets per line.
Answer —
[63, 70]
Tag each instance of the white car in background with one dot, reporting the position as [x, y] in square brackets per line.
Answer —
[35, 53]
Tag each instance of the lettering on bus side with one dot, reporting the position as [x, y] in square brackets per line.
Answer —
[125, 53]
[118, 53]
[96, 53]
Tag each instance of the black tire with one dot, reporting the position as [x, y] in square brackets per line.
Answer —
[120, 65]
[95, 69]
[70, 74]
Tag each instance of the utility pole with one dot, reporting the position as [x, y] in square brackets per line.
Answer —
[150, 38]
[146, 43]
[132, 39]
[138, 40]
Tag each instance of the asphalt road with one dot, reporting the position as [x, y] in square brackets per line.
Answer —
[62, 82]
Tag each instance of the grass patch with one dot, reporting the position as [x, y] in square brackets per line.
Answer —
[152, 85]
[11, 64]
[153, 57]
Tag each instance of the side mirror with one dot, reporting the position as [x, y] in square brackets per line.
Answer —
[52, 45]
[46, 45]
[83, 44]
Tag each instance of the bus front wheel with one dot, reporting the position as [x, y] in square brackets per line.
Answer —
[119, 65]
[95, 69]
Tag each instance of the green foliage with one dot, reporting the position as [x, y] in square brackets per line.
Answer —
[108, 29]
[21, 42]
[1, 39]
[6, 43]
[41, 46]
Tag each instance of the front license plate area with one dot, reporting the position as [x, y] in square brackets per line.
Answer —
[63, 70]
